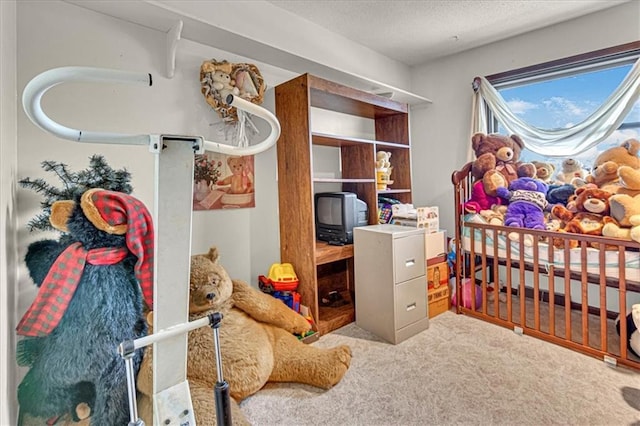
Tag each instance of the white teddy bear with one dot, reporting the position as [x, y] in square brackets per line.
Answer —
[223, 83]
[573, 172]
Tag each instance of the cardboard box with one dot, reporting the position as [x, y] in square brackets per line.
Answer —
[438, 301]
[428, 218]
[422, 217]
[437, 276]
[435, 244]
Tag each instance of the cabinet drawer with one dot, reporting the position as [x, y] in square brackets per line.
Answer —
[409, 258]
[411, 302]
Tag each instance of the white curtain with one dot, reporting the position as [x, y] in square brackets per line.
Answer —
[559, 142]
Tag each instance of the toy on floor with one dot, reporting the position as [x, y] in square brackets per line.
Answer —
[92, 283]
[633, 325]
[257, 342]
[467, 296]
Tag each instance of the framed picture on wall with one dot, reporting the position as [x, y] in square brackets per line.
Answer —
[223, 182]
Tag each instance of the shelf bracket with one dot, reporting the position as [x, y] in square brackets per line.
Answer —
[173, 35]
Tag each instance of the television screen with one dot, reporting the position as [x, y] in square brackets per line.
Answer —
[329, 211]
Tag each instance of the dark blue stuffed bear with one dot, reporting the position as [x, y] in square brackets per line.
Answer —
[92, 285]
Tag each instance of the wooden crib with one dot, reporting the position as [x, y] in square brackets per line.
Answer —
[566, 296]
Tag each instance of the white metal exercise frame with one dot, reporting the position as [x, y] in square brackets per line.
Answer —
[174, 158]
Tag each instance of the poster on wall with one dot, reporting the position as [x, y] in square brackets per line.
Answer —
[223, 181]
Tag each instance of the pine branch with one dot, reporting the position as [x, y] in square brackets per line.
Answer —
[98, 175]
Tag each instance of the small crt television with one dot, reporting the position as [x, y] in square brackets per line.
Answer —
[337, 213]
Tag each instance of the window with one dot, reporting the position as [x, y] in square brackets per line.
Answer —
[562, 93]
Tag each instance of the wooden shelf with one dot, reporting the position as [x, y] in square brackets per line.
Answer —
[322, 268]
[326, 253]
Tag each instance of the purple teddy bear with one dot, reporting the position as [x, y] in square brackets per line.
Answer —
[527, 201]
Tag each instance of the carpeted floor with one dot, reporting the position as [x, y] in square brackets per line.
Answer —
[459, 371]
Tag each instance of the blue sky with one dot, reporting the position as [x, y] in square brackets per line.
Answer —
[565, 102]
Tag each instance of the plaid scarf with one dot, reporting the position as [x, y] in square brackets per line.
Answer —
[59, 286]
[117, 210]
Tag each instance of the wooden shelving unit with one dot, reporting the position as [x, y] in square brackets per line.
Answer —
[321, 267]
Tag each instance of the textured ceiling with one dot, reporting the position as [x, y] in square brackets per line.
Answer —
[414, 32]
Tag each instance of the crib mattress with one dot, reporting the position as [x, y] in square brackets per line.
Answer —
[630, 261]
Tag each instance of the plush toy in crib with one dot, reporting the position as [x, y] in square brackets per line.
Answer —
[572, 172]
[633, 327]
[625, 209]
[257, 344]
[527, 201]
[544, 171]
[592, 205]
[498, 155]
[560, 194]
[92, 284]
[480, 200]
[617, 170]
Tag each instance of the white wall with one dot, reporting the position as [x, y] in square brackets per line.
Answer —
[8, 170]
[441, 133]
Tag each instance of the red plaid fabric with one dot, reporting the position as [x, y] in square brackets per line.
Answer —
[58, 287]
[117, 208]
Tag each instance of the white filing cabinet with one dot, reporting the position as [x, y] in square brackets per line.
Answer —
[390, 282]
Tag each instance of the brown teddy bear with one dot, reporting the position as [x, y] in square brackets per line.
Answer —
[544, 171]
[497, 160]
[617, 169]
[592, 214]
[257, 344]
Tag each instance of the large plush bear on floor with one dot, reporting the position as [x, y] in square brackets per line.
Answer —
[92, 283]
[257, 344]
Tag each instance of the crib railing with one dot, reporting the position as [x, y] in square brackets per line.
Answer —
[546, 290]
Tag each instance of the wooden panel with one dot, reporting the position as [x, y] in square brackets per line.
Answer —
[393, 128]
[297, 224]
[336, 97]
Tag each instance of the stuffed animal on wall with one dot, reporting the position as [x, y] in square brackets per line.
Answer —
[498, 155]
[633, 325]
[572, 172]
[617, 170]
[592, 205]
[92, 284]
[256, 339]
[527, 201]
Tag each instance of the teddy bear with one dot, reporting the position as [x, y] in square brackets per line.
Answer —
[257, 344]
[633, 325]
[497, 160]
[494, 215]
[225, 86]
[527, 201]
[544, 171]
[572, 172]
[617, 169]
[625, 209]
[241, 179]
[94, 282]
[479, 199]
[592, 214]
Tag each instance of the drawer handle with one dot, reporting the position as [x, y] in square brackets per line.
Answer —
[409, 263]
[411, 307]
